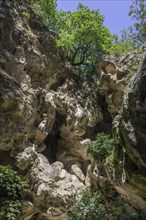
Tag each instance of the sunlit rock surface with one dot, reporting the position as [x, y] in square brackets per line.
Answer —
[115, 73]
[45, 116]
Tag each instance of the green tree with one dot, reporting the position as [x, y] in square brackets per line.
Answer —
[47, 10]
[123, 45]
[84, 36]
[138, 14]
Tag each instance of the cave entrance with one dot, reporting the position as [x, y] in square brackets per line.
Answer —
[53, 138]
[105, 126]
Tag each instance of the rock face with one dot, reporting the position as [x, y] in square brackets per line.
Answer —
[44, 114]
[29, 66]
[48, 118]
[76, 111]
[132, 131]
[124, 87]
[115, 72]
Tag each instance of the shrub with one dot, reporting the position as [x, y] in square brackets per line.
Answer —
[13, 209]
[102, 147]
[11, 183]
[89, 207]
[13, 190]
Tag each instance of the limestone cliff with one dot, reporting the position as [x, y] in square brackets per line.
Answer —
[43, 113]
[122, 81]
[48, 117]
[130, 127]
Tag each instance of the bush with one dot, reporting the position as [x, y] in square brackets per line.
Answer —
[89, 207]
[13, 190]
[13, 209]
[102, 147]
[11, 183]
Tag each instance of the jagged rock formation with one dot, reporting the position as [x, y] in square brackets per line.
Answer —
[130, 126]
[115, 72]
[124, 86]
[43, 114]
[47, 117]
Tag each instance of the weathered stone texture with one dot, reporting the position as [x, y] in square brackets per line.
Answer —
[47, 117]
[132, 130]
[44, 115]
[115, 73]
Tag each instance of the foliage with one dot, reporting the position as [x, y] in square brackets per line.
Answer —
[84, 47]
[112, 161]
[89, 207]
[138, 13]
[13, 190]
[11, 184]
[26, 15]
[13, 209]
[102, 147]
[122, 46]
[47, 10]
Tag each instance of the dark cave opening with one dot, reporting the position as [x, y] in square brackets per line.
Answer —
[52, 139]
[51, 143]
[104, 126]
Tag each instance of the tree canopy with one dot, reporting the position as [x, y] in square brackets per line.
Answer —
[138, 14]
[47, 10]
[123, 45]
[81, 33]
[84, 36]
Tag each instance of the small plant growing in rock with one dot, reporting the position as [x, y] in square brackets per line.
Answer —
[12, 191]
[113, 161]
[25, 15]
[102, 147]
[89, 207]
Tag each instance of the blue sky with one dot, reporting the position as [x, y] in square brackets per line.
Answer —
[115, 12]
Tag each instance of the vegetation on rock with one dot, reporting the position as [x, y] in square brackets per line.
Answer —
[12, 191]
[89, 207]
[94, 205]
[102, 147]
[122, 46]
[83, 47]
[47, 10]
[138, 14]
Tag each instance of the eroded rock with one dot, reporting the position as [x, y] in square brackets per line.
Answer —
[47, 119]
[115, 73]
[52, 185]
[130, 127]
[79, 113]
